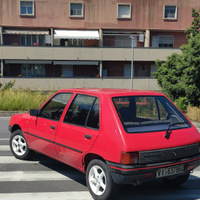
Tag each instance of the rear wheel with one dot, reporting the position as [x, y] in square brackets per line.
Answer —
[177, 180]
[19, 146]
[99, 181]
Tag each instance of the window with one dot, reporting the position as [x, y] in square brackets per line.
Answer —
[84, 111]
[33, 70]
[170, 12]
[140, 114]
[54, 108]
[75, 42]
[26, 8]
[163, 41]
[104, 72]
[125, 41]
[32, 40]
[127, 70]
[76, 10]
[124, 11]
[153, 70]
[142, 70]
[67, 70]
[93, 119]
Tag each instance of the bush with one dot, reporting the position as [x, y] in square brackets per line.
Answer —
[182, 103]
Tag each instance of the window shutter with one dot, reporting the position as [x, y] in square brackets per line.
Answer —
[155, 41]
[166, 40]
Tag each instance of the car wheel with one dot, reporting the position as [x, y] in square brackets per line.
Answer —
[99, 181]
[19, 146]
[177, 180]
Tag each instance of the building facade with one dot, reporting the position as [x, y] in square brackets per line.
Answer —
[54, 44]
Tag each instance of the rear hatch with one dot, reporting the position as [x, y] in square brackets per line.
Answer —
[155, 128]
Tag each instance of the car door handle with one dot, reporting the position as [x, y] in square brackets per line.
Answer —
[88, 136]
[52, 127]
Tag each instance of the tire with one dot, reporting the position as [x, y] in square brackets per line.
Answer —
[19, 146]
[99, 181]
[177, 180]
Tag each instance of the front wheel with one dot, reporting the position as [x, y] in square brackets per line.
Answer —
[99, 181]
[177, 180]
[19, 146]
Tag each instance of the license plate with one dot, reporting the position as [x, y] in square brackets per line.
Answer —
[168, 171]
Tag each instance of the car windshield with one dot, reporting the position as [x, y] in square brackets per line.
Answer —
[140, 114]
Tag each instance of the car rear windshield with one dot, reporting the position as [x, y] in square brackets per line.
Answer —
[140, 114]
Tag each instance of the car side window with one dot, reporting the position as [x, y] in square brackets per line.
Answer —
[81, 110]
[93, 119]
[55, 106]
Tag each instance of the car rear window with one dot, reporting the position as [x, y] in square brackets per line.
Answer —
[140, 114]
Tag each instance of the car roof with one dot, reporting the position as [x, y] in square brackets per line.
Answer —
[113, 92]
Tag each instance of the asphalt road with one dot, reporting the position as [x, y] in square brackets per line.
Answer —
[44, 178]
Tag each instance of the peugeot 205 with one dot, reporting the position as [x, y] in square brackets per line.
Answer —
[114, 136]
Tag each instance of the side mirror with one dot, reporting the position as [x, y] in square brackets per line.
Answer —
[34, 112]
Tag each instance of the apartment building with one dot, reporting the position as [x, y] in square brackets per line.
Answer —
[54, 44]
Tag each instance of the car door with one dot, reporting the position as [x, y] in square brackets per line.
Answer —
[42, 129]
[79, 129]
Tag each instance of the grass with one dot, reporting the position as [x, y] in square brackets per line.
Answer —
[193, 113]
[22, 100]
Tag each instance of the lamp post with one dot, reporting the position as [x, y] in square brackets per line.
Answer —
[132, 37]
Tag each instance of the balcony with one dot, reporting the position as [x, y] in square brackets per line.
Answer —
[84, 53]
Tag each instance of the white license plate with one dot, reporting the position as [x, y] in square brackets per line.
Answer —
[168, 171]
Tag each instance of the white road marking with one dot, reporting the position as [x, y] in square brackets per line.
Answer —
[4, 139]
[4, 148]
[41, 175]
[47, 196]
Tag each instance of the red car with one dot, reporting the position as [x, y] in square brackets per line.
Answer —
[115, 136]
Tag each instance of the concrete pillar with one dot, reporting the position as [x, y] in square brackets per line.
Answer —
[1, 35]
[52, 36]
[100, 68]
[100, 37]
[147, 38]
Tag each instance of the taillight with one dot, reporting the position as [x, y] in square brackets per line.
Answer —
[129, 158]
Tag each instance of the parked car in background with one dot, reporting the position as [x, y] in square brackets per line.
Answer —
[115, 136]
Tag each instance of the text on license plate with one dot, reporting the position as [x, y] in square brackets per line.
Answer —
[177, 169]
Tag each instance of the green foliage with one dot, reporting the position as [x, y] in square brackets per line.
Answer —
[182, 103]
[195, 26]
[179, 76]
[8, 85]
[22, 100]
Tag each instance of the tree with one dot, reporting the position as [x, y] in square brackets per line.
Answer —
[179, 76]
[195, 26]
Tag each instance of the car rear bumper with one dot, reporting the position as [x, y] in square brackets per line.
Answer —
[125, 174]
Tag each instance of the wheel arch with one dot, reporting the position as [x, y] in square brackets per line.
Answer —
[91, 156]
[15, 127]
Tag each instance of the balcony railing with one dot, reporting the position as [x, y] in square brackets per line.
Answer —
[84, 53]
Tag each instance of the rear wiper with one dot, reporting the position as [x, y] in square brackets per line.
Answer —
[167, 134]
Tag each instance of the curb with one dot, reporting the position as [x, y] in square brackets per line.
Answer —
[10, 113]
